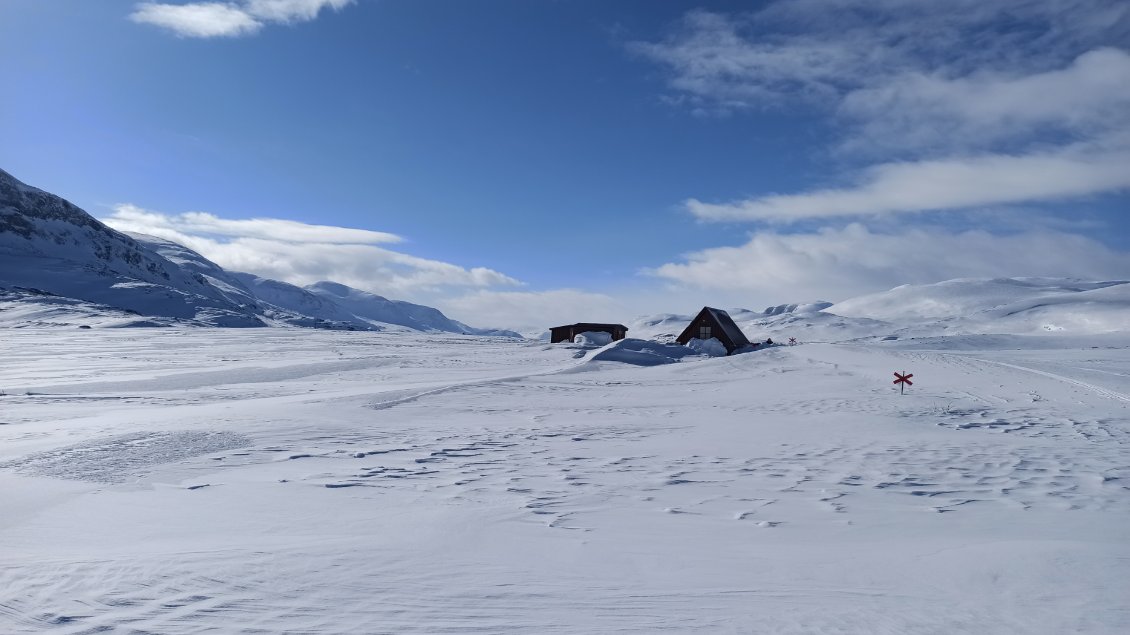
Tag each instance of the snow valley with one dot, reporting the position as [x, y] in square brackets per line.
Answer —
[344, 317]
[390, 470]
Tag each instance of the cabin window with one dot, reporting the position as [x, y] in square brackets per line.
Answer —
[704, 333]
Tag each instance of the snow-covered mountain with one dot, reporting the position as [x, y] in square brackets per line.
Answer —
[369, 308]
[331, 301]
[61, 266]
[48, 244]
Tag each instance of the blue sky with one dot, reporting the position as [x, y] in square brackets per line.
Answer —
[517, 163]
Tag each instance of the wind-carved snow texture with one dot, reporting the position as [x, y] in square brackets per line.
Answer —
[261, 482]
[119, 459]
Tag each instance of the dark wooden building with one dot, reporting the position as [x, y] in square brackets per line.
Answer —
[569, 331]
[714, 323]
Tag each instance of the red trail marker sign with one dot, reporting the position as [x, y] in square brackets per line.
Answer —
[903, 381]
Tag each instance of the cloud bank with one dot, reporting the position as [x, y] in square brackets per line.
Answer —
[838, 263]
[301, 253]
[942, 184]
[938, 108]
[229, 19]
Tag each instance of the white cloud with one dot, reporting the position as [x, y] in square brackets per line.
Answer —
[302, 254]
[823, 49]
[229, 19]
[291, 10]
[715, 65]
[835, 264]
[939, 185]
[954, 104]
[269, 228]
[1089, 97]
[200, 19]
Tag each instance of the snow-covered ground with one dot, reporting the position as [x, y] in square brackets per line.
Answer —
[299, 481]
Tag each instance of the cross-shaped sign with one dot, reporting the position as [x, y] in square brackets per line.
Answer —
[903, 381]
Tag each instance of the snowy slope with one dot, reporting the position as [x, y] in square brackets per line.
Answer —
[275, 302]
[197, 266]
[373, 309]
[1001, 305]
[296, 301]
[22, 307]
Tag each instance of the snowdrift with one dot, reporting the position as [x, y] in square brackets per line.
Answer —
[642, 352]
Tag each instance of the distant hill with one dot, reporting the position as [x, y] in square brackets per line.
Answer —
[1000, 305]
[968, 306]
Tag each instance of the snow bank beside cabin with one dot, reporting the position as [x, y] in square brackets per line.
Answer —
[593, 338]
[711, 347]
[643, 352]
[639, 352]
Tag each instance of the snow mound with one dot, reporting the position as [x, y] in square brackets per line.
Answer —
[642, 352]
[711, 347]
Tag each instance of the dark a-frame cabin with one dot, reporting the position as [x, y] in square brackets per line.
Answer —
[716, 323]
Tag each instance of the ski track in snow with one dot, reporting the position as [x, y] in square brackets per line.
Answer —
[1110, 394]
[430, 484]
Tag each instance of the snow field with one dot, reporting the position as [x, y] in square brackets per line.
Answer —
[324, 482]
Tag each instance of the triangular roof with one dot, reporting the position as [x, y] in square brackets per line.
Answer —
[721, 319]
[597, 324]
[729, 326]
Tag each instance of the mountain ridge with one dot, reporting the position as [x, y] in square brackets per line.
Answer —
[55, 254]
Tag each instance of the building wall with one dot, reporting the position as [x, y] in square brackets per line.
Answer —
[567, 333]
